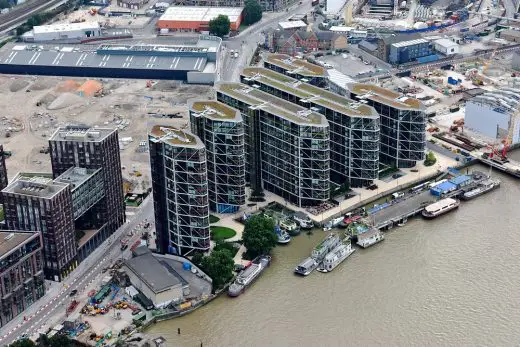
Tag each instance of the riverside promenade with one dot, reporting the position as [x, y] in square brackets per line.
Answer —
[363, 196]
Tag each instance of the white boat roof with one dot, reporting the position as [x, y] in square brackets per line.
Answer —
[440, 204]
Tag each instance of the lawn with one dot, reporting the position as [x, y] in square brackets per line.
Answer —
[213, 219]
[222, 233]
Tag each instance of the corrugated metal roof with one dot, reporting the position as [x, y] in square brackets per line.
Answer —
[409, 43]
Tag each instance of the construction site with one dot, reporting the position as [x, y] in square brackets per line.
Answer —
[35, 106]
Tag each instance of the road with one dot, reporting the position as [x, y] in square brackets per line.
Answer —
[50, 309]
[247, 41]
[19, 15]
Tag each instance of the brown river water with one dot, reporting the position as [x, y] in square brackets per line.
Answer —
[451, 281]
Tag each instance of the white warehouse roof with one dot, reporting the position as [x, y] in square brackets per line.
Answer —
[445, 43]
[200, 14]
[292, 24]
[64, 27]
[410, 43]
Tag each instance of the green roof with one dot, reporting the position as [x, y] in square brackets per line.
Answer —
[215, 109]
[318, 95]
[257, 98]
[289, 63]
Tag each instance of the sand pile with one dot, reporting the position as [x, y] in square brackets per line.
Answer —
[46, 99]
[68, 86]
[65, 100]
[42, 84]
[18, 85]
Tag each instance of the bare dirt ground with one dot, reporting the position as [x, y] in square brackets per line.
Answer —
[33, 107]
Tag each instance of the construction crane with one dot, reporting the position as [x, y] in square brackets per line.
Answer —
[502, 148]
[488, 62]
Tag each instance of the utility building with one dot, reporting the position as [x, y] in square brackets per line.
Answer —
[288, 145]
[403, 124]
[354, 126]
[221, 128]
[180, 190]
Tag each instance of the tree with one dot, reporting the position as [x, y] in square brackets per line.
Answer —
[219, 266]
[23, 343]
[430, 159]
[252, 12]
[220, 25]
[259, 236]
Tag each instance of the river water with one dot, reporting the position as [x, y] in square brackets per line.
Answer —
[451, 281]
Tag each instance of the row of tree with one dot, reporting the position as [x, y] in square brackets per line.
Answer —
[220, 26]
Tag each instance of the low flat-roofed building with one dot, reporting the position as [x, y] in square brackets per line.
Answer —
[21, 272]
[63, 31]
[288, 144]
[297, 68]
[197, 18]
[354, 126]
[446, 46]
[403, 124]
[292, 25]
[132, 4]
[154, 280]
[221, 128]
[510, 35]
[193, 60]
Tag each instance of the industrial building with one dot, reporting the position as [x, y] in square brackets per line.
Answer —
[408, 51]
[180, 190]
[21, 272]
[288, 145]
[495, 114]
[296, 68]
[34, 202]
[446, 47]
[267, 5]
[195, 18]
[403, 121]
[221, 129]
[63, 31]
[152, 278]
[132, 4]
[194, 63]
[354, 126]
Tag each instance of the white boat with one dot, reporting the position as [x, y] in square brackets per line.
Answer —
[249, 275]
[306, 267]
[290, 227]
[335, 257]
[303, 220]
[332, 223]
[325, 246]
[440, 207]
[483, 188]
[370, 238]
